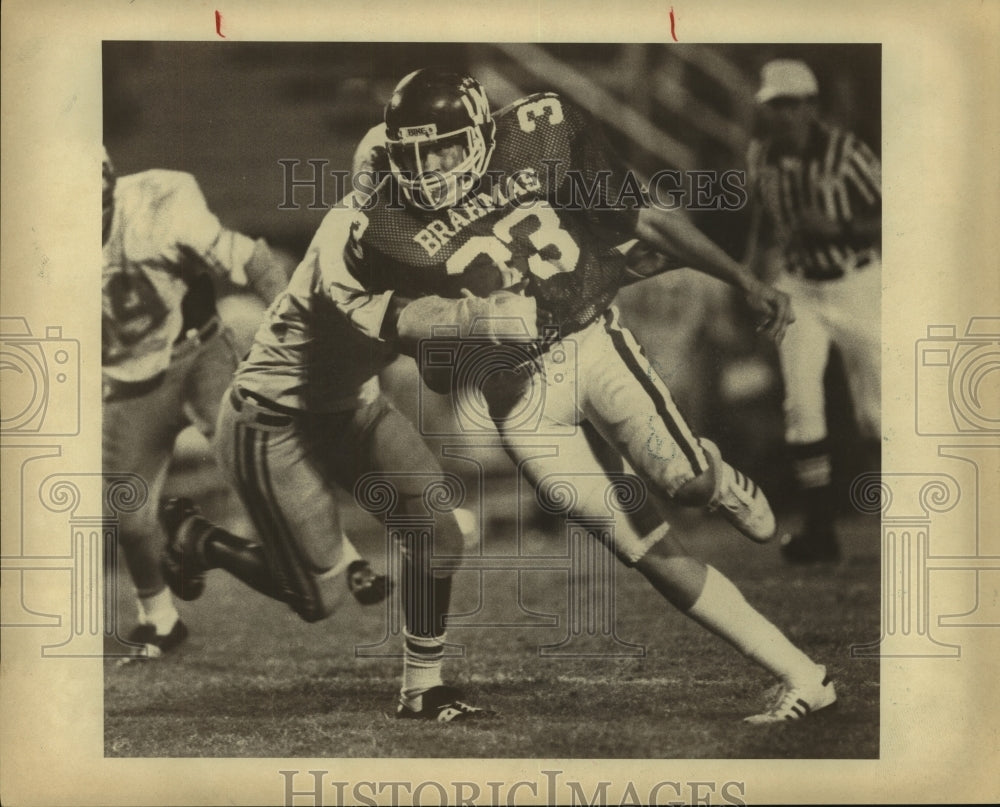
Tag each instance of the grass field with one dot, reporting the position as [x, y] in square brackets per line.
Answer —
[255, 681]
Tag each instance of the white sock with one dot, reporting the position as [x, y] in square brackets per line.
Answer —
[468, 525]
[159, 612]
[348, 554]
[422, 662]
[351, 553]
[722, 609]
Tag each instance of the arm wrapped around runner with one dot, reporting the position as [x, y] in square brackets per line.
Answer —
[501, 315]
[643, 262]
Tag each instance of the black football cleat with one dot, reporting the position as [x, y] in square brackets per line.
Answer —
[154, 645]
[807, 548]
[365, 586]
[182, 561]
[443, 704]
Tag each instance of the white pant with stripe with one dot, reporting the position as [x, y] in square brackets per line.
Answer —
[286, 468]
[599, 375]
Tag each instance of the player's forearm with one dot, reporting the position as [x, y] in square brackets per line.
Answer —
[643, 262]
[673, 235]
[756, 249]
[769, 264]
[499, 316]
[408, 320]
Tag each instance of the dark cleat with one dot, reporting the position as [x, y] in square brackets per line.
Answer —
[154, 645]
[367, 587]
[183, 560]
[443, 704]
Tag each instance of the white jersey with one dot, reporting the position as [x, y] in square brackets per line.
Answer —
[162, 235]
[319, 347]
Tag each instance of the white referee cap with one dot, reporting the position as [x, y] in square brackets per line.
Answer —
[786, 78]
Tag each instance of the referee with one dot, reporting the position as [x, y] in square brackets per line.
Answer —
[817, 236]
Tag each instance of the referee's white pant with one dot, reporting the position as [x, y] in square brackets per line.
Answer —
[845, 312]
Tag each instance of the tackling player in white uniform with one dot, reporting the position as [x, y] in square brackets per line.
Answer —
[818, 203]
[166, 356]
[305, 415]
[486, 244]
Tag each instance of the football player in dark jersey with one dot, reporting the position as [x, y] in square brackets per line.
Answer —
[496, 236]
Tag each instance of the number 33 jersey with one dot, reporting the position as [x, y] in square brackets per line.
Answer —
[552, 207]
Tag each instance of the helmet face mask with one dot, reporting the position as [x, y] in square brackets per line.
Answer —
[440, 137]
[437, 172]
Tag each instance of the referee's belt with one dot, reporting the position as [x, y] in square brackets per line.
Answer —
[114, 389]
[860, 262]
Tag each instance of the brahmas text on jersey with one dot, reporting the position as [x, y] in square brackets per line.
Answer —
[162, 237]
[554, 204]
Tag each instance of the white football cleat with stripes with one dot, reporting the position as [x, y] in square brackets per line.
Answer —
[794, 703]
[739, 499]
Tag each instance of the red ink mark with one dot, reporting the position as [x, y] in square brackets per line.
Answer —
[218, 23]
[673, 32]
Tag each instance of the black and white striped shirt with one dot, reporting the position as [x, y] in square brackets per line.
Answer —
[839, 178]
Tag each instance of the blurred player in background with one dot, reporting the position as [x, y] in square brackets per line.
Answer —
[488, 245]
[818, 211]
[305, 414]
[166, 356]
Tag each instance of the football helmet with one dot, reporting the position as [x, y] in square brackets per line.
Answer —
[434, 112]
